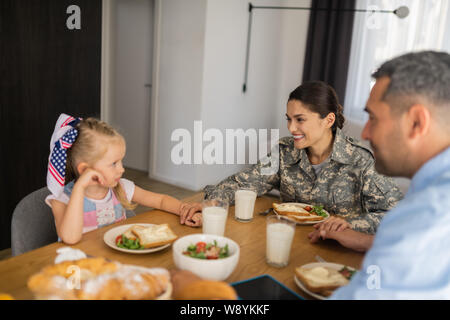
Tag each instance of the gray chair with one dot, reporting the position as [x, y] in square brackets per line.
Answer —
[130, 213]
[33, 224]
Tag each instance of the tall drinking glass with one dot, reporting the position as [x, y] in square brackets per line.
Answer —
[280, 233]
[215, 213]
[244, 204]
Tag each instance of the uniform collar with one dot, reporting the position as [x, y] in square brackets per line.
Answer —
[293, 155]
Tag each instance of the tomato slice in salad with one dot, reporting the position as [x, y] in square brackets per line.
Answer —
[201, 247]
[118, 239]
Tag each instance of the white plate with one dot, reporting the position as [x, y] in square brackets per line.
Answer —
[335, 266]
[110, 239]
[306, 222]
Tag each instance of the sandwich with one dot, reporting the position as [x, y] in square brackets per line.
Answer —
[299, 212]
[144, 237]
[323, 280]
[129, 233]
[154, 236]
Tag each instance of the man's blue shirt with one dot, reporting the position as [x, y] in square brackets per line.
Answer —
[410, 255]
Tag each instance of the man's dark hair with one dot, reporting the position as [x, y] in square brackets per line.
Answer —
[418, 75]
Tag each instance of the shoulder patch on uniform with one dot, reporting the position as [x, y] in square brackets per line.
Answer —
[358, 143]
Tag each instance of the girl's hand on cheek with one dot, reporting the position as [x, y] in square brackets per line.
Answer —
[90, 177]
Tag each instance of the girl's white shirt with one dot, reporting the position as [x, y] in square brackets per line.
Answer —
[127, 185]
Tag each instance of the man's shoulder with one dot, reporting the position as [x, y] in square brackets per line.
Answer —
[420, 213]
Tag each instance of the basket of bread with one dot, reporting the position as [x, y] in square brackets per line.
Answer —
[301, 213]
[100, 279]
[321, 279]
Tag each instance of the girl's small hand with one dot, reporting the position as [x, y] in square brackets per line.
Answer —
[333, 224]
[187, 210]
[195, 221]
[90, 177]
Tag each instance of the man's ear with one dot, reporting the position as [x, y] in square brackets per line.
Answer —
[81, 167]
[419, 121]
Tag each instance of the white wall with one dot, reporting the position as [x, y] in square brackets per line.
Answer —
[202, 72]
[292, 56]
[133, 44]
[178, 83]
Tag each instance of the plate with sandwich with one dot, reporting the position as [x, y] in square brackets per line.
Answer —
[140, 238]
[301, 213]
[320, 279]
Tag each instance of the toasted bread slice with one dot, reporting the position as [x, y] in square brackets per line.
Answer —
[129, 233]
[321, 280]
[289, 209]
[155, 235]
[306, 218]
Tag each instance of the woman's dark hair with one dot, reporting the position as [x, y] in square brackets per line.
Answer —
[321, 98]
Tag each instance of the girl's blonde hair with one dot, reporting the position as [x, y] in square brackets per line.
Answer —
[90, 148]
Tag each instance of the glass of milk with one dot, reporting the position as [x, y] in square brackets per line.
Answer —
[280, 233]
[215, 213]
[244, 204]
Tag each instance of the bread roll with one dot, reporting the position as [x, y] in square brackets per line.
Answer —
[206, 290]
[99, 279]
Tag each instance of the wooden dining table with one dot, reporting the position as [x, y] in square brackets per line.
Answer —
[251, 236]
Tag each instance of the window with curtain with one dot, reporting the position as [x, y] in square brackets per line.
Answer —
[378, 37]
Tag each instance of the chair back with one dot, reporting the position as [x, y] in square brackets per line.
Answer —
[33, 224]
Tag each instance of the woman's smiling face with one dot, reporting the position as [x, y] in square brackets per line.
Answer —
[306, 126]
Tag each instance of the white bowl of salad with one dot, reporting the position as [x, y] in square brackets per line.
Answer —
[208, 256]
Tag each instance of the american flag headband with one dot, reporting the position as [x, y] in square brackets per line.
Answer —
[57, 162]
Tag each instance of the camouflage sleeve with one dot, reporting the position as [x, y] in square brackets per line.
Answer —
[248, 178]
[379, 194]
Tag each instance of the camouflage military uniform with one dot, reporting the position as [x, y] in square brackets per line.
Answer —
[347, 185]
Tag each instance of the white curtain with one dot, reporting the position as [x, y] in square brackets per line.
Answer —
[378, 37]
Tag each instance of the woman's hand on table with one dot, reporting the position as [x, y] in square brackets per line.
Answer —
[333, 224]
[348, 238]
[191, 215]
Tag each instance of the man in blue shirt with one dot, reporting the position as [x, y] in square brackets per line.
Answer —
[409, 131]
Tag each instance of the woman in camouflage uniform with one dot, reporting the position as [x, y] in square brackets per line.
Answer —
[319, 165]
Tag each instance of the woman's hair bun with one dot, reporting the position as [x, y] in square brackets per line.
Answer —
[340, 119]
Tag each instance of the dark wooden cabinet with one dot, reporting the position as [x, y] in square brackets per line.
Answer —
[45, 69]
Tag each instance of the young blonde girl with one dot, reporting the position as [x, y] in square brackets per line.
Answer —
[84, 176]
